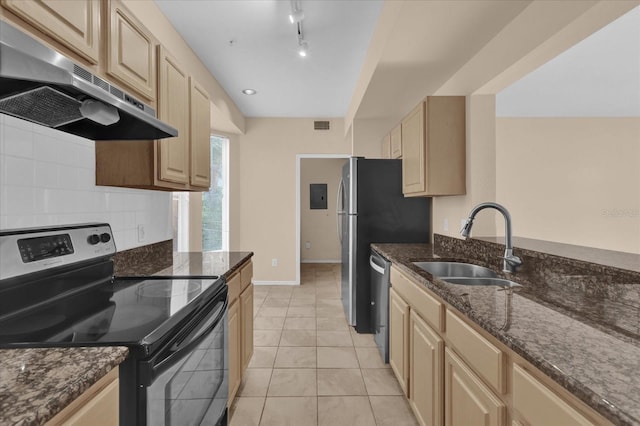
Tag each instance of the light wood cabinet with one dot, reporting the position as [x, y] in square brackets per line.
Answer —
[182, 163]
[399, 339]
[426, 351]
[240, 326]
[395, 138]
[98, 405]
[73, 23]
[173, 102]
[131, 50]
[199, 105]
[246, 308]
[235, 367]
[536, 405]
[467, 400]
[386, 146]
[433, 148]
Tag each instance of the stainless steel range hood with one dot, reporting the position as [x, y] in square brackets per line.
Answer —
[40, 85]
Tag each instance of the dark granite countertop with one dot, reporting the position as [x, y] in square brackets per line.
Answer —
[37, 383]
[139, 262]
[582, 334]
[220, 263]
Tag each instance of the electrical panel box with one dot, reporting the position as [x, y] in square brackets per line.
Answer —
[318, 195]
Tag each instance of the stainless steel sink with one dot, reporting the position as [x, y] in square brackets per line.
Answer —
[499, 282]
[455, 269]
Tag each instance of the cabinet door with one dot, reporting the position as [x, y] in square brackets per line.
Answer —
[246, 310]
[200, 136]
[131, 51]
[413, 152]
[425, 371]
[235, 373]
[74, 23]
[538, 406]
[173, 103]
[101, 410]
[396, 142]
[399, 339]
[468, 401]
[386, 147]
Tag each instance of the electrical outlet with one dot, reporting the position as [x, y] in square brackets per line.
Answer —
[141, 233]
[445, 225]
[307, 245]
[274, 262]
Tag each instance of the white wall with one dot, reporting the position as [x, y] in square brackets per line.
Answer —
[48, 178]
[318, 226]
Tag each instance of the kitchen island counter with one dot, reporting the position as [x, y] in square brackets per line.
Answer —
[37, 383]
[560, 321]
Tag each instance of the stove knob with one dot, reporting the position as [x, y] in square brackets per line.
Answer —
[93, 239]
[105, 238]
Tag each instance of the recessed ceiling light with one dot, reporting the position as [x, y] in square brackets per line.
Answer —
[249, 92]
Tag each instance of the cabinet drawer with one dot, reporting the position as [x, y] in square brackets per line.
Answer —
[429, 308]
[246, 274]
[486, 359]
[538, 405]
[234, 287]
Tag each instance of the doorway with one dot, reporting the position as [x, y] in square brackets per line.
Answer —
[317, 240]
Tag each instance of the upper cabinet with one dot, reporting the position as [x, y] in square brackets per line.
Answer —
[131, 51]
[73, 23]
[396, 142]
[200, 133]
[433, 148]
[173, 102]
[181, 163]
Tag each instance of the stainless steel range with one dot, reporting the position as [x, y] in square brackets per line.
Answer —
[57, 289]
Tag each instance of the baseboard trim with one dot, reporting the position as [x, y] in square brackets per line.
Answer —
[322, 261]
[256, 282]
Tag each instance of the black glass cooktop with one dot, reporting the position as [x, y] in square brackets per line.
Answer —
[117, 312]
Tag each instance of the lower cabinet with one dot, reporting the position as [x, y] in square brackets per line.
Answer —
[240, 326]
[468, 401]
[535, 404]
[455, 374]
[246, 309]
[399, 339]
[235, 373]
[426, 350]
[98, 405]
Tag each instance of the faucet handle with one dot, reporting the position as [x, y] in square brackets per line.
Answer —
[512, 260]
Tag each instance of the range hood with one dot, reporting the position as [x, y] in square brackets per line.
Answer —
[40, 85]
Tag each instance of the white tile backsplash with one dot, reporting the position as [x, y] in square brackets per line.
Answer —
[48, 178]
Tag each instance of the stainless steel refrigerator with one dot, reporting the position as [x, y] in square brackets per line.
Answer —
[372, 209]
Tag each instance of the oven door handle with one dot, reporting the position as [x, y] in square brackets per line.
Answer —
[177, 348]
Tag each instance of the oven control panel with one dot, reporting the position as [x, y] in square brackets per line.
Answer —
[25, 251]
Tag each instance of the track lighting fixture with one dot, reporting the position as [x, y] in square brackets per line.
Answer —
[296, 16]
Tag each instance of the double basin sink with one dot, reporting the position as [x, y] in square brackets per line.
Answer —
[465, 274]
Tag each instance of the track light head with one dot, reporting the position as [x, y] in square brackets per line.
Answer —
[296, 16]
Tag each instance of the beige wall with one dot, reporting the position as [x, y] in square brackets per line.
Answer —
[480, 173]
[266, 201]
[318, 226]
[571, 180]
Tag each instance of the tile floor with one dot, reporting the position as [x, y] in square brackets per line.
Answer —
[309, 368]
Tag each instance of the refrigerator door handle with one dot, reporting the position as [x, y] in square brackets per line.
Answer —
[339, 209]
[379, 269]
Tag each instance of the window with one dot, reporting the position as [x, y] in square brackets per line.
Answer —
[215, 206]
[215, 221]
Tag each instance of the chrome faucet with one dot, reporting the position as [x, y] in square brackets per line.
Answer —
[511, 262]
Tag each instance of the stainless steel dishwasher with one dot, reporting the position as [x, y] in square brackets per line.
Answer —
[380, 283]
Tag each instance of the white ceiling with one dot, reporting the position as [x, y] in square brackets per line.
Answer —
[252, 44]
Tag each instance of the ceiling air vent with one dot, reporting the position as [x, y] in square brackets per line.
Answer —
[321, 125]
